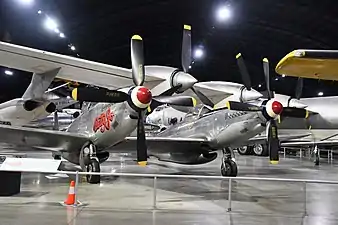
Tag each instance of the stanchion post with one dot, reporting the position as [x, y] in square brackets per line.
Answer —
[305, 200]
[76, 186]
[229, 195]
[154, 192]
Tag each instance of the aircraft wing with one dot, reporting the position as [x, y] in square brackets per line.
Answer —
[306, 63]
[49, 140]
[163, 144]
[261, 138]
[75, 69]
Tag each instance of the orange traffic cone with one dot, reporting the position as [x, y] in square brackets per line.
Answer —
[71, 194]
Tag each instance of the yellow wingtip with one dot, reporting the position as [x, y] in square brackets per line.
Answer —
[238, 55]
[274, 162]
[187, 27]
[142, 163]
[265, 60]
[74, 93]
[137, 37]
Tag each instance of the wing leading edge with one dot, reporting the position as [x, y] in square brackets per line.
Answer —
[75, 69]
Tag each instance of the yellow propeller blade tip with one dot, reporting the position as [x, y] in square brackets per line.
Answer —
[74, 93]
[307, 114]
[142, 163]
[274, 162]
[137, 37]
[238, 55]
[194, 102]
[265, 60]
[149, 109]
[187, 27]
[227, 104]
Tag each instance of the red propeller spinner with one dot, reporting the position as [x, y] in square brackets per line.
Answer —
[141, 97]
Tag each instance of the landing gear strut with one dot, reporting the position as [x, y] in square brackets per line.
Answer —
[90, 163]
[316, 155]
[228, 166]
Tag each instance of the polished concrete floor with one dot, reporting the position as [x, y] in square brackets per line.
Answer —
[120, 200]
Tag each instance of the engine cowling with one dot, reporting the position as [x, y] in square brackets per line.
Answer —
[188, 158]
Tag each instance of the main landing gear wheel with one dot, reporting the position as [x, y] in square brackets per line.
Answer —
[93, 166]
[260, 150]
[245, 150]
[90, 163]
[228, 166]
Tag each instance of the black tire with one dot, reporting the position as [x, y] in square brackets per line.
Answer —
[93, 166]
[260, 150]
[56, 156]
[229, 168]
[245, 150]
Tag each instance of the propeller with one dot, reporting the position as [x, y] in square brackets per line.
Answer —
[244, 72]
[138, 97]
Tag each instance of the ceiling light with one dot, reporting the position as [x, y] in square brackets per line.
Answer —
[62, 35]
[283, 75]
[56, 30]
[199, 53]
[26, 2]
[259, 85]
[320, 93]
[8, 72]
[72, 47]
[276, 78]
[223, 13]
[189, 67]
[51, 24]
[39, 12]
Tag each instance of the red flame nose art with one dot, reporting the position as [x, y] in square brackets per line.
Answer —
[277, 107]
[144, 95]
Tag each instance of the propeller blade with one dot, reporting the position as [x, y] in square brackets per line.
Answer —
[204, 99]
[98, 95]
[273, 142]
[171, 91]
[267, 77]
[244, 72]
[186, 48]
[239, 106]
[137, 60]
[141, 141]
[299, 88]
[294, 112]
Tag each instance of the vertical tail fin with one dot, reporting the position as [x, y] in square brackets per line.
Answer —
[39, 84]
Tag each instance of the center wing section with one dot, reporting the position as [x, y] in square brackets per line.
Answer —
[75, 69]
[49, 140]
[166, 145]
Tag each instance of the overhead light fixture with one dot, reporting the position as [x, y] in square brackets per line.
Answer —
[56, 30]
[283, 75]
[199, 53]
[8, 72]
[190, 67]
[51, 24]
[320, 93]
[223, 13]
[72, 47]
[259, 85]
[276, 78]
[39, 12]
[62, 35]
[26, 2]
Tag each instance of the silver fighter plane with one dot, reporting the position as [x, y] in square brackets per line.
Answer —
[103, 125]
